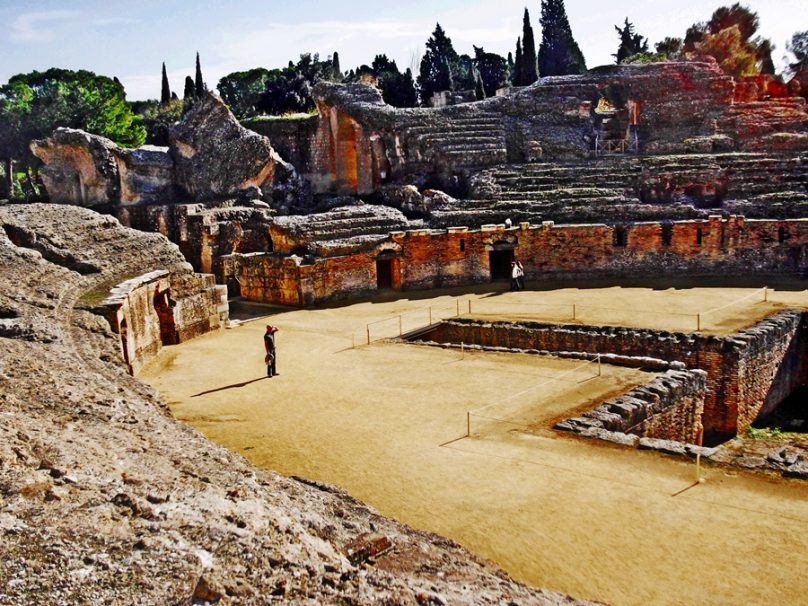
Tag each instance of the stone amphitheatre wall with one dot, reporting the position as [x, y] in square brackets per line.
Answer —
[747, 373]
[423, 259]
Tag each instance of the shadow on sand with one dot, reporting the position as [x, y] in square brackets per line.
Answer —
[233, 386]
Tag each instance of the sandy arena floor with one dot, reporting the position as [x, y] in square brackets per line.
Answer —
[571, 515]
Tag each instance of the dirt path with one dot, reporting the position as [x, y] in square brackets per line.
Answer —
[555, 511]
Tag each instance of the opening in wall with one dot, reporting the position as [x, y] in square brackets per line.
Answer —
[667, 234]
[781, 235]
[619, 236]
[699, 236]
[462, 245]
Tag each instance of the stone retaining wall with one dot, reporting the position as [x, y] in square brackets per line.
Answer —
[748, 373]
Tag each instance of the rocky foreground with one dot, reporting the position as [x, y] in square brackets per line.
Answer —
[105, 498]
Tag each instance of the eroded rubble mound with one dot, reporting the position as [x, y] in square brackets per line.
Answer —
[106, 498]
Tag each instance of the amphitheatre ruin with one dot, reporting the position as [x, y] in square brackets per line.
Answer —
[607, 433]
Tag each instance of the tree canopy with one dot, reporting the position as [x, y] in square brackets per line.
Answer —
[33, 105]
[437, 65]
[712, 35]
[798, 47]
[491, 71]
[558, 53]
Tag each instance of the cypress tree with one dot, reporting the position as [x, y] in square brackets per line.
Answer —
[165, 93]
[189, 93]
[529, 67]
[631, 43]
[479, 88]
[517, 66]
[335, 68]
[199, 84]
[558, 53]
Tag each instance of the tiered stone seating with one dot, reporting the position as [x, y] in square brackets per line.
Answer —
[630, 188]
[476, 139]
[345, 227]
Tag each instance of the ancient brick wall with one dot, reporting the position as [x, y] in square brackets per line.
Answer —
[457, 256]
[748, 373]
[668, 407]
[772, 365]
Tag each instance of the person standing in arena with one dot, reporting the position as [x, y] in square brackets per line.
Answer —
[269, 347]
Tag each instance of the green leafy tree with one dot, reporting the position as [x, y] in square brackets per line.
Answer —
[336, 71]
[33, 105]
[516, 72]
[157, 118]
[242, 91]
[491, 71]
[165, 93]
[670, 47]
[746, 22]
[728, 48]
[798, 47]
[189, 91]
[559, 53]
[631, 43]
[529, 69]
[435, 72]
[397, 89]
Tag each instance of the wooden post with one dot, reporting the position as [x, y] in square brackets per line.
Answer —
[599, 369]
[430, 316]
[698, 455]
[469, 305]
[573, 311]
[765, 294]
[458, 307]
[698, 322]
[400, 331]
[368, 328]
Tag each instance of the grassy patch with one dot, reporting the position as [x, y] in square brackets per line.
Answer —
[282, 118]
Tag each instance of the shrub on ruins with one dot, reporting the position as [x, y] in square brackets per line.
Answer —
[707, 37]
[33, 105]
[491, 71]
[559, 53]
[631, 43]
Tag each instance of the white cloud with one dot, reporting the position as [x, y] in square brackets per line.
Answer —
[37, 26]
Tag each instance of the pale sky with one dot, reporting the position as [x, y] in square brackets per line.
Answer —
[131, 39]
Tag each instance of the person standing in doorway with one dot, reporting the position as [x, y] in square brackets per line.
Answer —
[521, 279]
[269, 348]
